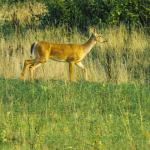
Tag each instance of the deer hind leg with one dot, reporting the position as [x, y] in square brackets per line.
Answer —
[27, 64]
[71, 71]
[35, 65]
[80, 65]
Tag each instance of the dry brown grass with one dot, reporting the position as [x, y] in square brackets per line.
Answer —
[129, 52]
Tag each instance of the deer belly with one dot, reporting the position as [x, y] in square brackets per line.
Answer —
[58, 59]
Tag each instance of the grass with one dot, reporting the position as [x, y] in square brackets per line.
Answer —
[54, 114]
[129, 55]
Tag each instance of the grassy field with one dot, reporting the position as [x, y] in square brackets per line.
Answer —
[59, 115]
[52, 113]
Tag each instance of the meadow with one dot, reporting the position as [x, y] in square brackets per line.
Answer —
[108, 111]
[50, 115]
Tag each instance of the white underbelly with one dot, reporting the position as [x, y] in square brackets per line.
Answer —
[60, 60]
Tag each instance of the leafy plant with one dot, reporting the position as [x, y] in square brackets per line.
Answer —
[23, 14]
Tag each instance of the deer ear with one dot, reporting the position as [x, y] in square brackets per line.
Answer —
[92, 30]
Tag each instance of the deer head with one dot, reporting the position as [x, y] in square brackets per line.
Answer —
[97, 37]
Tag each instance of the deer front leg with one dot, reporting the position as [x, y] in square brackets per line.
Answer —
[71, 71]
[80, 65]
[32, 69]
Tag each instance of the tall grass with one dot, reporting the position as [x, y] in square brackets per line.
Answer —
[129, 54]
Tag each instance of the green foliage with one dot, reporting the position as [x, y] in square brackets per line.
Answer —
[94, 12]
[84, 13]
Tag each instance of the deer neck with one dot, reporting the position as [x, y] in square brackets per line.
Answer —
[89, 44]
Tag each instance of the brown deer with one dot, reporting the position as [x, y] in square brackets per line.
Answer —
[71, 53]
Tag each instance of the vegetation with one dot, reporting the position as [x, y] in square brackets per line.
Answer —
[77, 13]
[80, 116]
[109, 110]
[56, 114]
[124, 58]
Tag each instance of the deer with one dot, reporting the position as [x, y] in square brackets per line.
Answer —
[73, 54]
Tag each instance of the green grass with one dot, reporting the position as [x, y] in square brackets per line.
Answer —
[59, 115]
